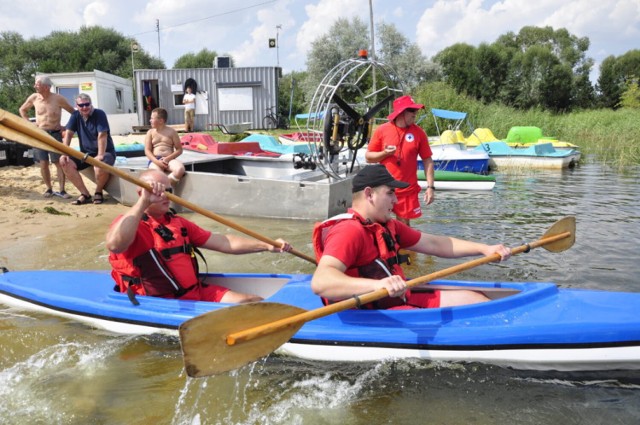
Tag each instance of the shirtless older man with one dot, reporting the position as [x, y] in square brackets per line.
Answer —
[48, 107]
[162, 146]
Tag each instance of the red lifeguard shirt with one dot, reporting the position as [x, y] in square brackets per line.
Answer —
[409, 142]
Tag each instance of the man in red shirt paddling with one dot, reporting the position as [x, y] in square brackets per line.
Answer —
[358, 252]
[152, 250]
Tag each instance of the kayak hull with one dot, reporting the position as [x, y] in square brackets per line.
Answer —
[535, 326]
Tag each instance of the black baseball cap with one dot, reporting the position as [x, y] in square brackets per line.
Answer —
[373, 176]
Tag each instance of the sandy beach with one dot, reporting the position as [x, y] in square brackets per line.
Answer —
[22, 197]
[34, 228]
[24, 211]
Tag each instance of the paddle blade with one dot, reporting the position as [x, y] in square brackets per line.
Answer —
[203, 339]
[567, 224]
[16, 136]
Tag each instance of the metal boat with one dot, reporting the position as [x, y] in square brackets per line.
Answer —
[246, 185]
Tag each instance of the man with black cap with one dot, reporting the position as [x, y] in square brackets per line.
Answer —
[358, 252]
[396, 145]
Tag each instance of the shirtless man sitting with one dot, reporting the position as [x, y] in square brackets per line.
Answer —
[48, 107]
[162, 146]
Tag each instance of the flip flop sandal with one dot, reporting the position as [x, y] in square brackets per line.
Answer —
[98, 198]
[48, 193]
[82, 199]
[62, 194]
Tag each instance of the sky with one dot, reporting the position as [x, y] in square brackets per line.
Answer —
[171, 28]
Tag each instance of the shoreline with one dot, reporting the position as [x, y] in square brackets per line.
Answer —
[38, 232]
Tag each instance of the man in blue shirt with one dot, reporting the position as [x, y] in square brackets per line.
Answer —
[95, 140]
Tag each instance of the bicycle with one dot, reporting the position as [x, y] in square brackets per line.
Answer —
[274, 120]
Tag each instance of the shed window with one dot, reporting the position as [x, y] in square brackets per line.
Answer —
[235, 98]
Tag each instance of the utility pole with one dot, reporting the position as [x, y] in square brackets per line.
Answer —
[158, 30]
[373, 42]
[134, 48]
[278, 28]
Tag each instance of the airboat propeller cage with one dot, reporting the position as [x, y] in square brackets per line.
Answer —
[343, 109]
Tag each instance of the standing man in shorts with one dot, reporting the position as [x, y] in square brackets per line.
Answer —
[48, 107]
[396, 145]
[95, 140]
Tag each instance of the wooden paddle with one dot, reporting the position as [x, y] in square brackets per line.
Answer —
[15, 128]
[228, 338]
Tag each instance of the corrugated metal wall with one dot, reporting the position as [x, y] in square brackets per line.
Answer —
[263, 80]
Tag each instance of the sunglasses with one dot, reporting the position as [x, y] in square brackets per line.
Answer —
[411, 110]
[83, 105]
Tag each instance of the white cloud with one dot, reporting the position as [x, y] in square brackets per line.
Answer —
[321, 17]
[95, 13]
[254, 50]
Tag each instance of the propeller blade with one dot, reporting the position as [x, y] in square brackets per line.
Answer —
[353, 114]
[374, 110]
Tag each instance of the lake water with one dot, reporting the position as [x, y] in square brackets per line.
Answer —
[56, 371]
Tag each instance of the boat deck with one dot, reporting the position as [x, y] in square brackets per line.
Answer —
[241, 185]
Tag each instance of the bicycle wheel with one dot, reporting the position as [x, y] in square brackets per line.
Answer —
[269, 123]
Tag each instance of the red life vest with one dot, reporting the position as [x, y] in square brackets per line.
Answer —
[168, 269]
[387, 263]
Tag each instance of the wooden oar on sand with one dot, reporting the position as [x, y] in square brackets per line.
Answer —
[15, 128]
[228, 338]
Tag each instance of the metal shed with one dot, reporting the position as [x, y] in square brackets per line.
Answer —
[223, 95]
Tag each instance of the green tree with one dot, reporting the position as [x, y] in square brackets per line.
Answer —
[88, 49]
[291, 97]
[459, 68]
[556, 60]
[538, 67]
[610, 83]
[404, 57]
[16, 71]
[616, 73]
[342, 42]
[203, 59]
[538, 79]
[493, 67]
[631, 97]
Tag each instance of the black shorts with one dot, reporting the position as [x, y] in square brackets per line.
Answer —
[109, 158]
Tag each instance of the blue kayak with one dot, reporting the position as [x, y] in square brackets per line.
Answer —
[525, 325]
